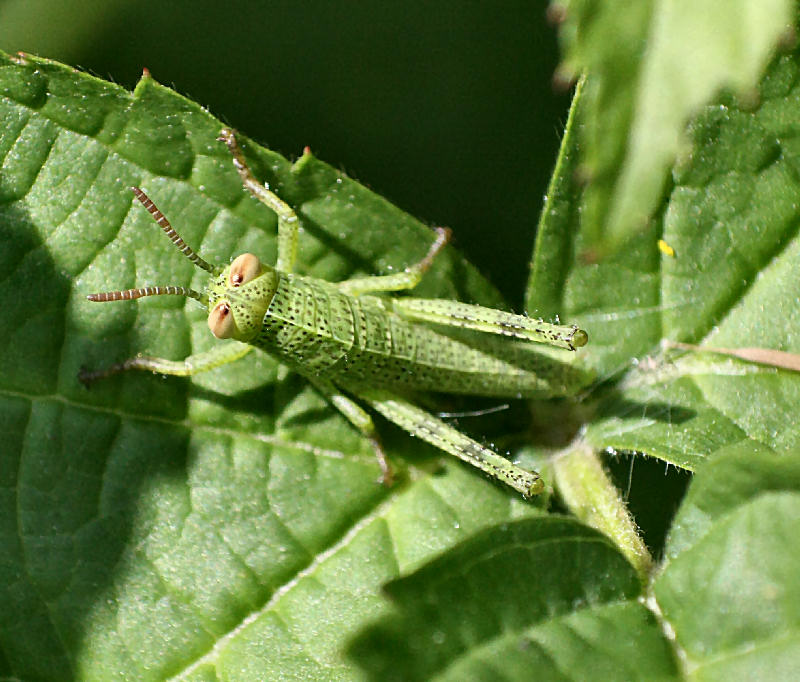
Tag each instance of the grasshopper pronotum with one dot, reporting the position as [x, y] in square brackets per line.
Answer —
[355, 346]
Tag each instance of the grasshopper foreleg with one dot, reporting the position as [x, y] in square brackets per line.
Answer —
[287, 218]
[194, 364]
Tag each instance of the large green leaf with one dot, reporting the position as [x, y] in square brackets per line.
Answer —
[539, 573]
[147, 520]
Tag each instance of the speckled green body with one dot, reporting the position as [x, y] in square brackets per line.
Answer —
[321, 332]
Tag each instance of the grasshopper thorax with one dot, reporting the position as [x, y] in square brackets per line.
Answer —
[239, 296]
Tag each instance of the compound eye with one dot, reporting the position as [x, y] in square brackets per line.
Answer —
[244, 269]
[220, 321]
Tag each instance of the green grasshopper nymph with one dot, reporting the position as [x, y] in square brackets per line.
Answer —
[358, 348]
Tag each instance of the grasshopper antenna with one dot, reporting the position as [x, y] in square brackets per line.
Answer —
[183, 247]
[174, 237]
[131, 294]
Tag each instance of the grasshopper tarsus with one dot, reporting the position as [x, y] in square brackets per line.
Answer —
[387, 475]
[88, 377]
[443, 235]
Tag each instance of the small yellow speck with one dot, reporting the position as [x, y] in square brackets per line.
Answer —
[666, 249]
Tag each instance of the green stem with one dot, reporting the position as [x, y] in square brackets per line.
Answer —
[587, 491]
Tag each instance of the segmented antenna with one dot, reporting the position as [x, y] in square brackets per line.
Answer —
[131, 294]
[174, 237]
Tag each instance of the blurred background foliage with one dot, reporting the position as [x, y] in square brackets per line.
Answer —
[445, 108]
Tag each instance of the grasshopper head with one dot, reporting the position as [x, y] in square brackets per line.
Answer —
[239, 297]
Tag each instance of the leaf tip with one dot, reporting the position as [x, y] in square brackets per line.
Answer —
[146, 79]
[306, 157]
